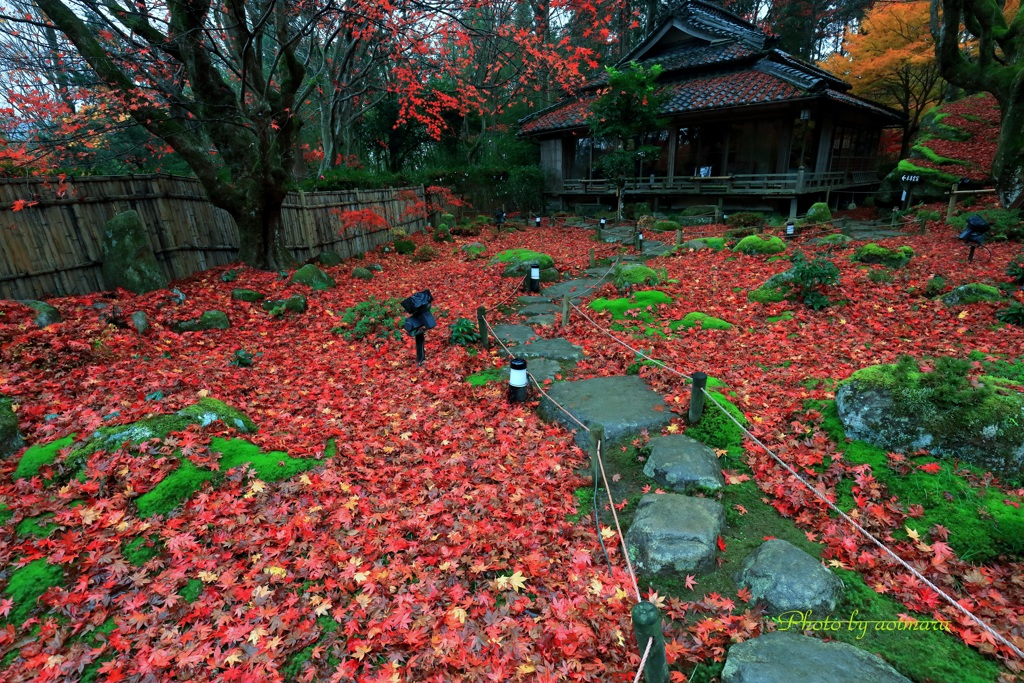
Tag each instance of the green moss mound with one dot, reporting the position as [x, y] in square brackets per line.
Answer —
[293, 304]
[819, 213]
[782, 317]
[272, 466]
[972, 293]
[176, 488]
[141, 550]
[313, 277]
[40, 527]
[517, 261]
[666, 226]
[210, 320]
[191, 591]
[706, 321]
[37, 456]
[767, 295]
[635, 274]
[755, 244]
[715, 243]
[484, 376]
[875, 254]
[249, 295]
[715, 429]
[362, 273]
[27, 584]
[405, 246]
[836, 240]
[641, 301]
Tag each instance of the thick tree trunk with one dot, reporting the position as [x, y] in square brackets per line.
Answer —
[1008, 165]
[261, 238]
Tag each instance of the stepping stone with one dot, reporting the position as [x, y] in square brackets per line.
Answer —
[575, 289]
[682, 464]
[674, 535]
[543, 320]
[653, 248]
[514, 334]
[600, 272]
[540, 368]
[539, 309]
[784, 657]
[623, 405]
[535, 299]
[555, 349]
[784, 578]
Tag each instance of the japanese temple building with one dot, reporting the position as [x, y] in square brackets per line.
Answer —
[749, 125]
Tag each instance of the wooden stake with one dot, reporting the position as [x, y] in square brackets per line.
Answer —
[481, 319]
[565, 311]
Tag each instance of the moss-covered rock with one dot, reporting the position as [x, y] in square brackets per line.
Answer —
[10, 437]
[634, 274]
[893, 258]
[362, 273]
[665, 226]
[375, 268]
[474, 250]
[329, 259]
[715, 243]
[250, 295]
[933, 184]
[971, 293]
[140, 322]
[46, 314]
[293, 304]
[210, 320]
[128, 258]
[836, 240]
[620, 308]
[755, 244]
[405, 246]
[313, 277]
[705, 321]
[819, 213]
[900, 408]
[518, 261]
[549, 275]
[38, 456]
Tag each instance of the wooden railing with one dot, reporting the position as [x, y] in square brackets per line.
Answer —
[752, 183]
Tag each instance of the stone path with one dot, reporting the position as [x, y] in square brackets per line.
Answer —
[674, 535]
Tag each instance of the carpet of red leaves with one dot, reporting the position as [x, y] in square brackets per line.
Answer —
[439, 490]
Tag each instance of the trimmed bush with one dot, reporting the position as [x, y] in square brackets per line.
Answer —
[424, 254]
[893, 258]
[405, 246]
[373, 317]
[754, 244]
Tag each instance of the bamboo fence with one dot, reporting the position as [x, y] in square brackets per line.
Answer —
[52, 246]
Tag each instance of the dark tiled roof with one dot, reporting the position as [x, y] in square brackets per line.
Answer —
[854, 101]
[688, 58]
[696, 94]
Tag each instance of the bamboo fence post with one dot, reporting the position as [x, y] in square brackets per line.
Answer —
[565, 311]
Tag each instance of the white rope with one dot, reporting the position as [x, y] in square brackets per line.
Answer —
[643, 660]
[615, 516]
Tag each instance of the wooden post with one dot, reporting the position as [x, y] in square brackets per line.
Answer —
[565, 311]
[700, 380]
[481, 319]
[952, 202]
[921, 224]
[647, 626]
[596, 435]
[679, 237]
[592, 261]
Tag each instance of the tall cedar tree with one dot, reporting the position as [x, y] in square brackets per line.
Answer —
[994, 64]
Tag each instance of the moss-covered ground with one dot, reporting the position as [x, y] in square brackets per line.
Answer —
[27, 584]
[38, 456]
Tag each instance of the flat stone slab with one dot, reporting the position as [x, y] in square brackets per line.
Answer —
[540, 368]
[654, 248]
[784, 578]
[543, 320]
[555, 349]
[784, 657]
[573, 288]
[539, 309]
[535, 299]
[622, 405]
[674, 535]
[514, 334]
[682, 464]
[600, 272]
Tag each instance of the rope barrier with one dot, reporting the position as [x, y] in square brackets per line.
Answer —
[515, 290]
[615, 516]
[643, 660]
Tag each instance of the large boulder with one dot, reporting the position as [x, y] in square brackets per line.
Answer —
[128, 258]
[674, 535]
[682, 464]
[518, 262]
[783, 578]
[783, 657]
[210, 320]
[898, 408]
[46, 314]
[971, 293]
[10, 437]
[313, 277]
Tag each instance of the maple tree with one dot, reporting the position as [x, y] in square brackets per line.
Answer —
[993, 63]
[890, 58]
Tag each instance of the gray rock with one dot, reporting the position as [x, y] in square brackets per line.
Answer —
[46, 314]
[836, 240]
[575, 289]
[329, 259]
[682, 464]
[514, 334]
[539, 309]
[971, 293]
[313, 277]
[543, 320]
[210, 320]
[601, 272]
[533, 299]
[10, 437]
[674, 535]
[622, 405]
[540, 368]
[783, 657]
[654, 248]
[784, 578]
[555, 349]
[128, 258]
[140, 322]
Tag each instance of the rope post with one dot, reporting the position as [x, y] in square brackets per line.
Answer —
[921, 225]
[481, 320]
[596, 437]
[647, 626]
[700, 380]
[593, 263]
[679, 237]
[565, 311]
[952, 202]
